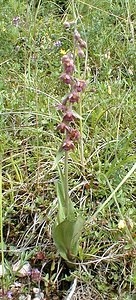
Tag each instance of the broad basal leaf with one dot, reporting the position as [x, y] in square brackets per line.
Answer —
[64, 209]
[58, 157]
[66, 236]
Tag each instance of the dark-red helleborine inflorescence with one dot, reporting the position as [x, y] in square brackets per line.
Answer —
[76, 87]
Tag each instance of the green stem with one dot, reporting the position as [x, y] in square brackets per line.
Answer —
[81, 137]
[66, 183]
[73, 7]
[80, 103]
[81, 126]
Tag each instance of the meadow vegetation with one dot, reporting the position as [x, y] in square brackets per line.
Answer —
[33, 41]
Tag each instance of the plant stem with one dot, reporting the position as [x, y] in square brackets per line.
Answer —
[74, 13]
[81, 138]
[80, 103]
[66, 183]
[81, 125]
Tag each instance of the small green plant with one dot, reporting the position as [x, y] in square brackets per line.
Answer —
[69, 223]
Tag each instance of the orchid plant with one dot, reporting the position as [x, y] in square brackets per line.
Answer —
[69, 223]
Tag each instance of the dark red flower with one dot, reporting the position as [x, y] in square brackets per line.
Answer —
[81, 52]
[68, 145]
[68, 117]
[36, 275]
[80, 85]
[82, 43]
[74, 134]
[74, 97]
[40, 256]
[62, 107]
[66, 25]
[77, 35]
[68, 64]
[65, 58]
[61, 127]
[69, 67]
[66, 78]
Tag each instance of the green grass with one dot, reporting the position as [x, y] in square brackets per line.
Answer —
[30, 65]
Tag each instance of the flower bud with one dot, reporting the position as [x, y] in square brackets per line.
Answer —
[66, 24]
[65, 58]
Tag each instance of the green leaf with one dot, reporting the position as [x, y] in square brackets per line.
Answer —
[61, 197]
[62, 208]
[58, 157]
[62, 180]
[76, 115]
[66, 236]
[61, 203]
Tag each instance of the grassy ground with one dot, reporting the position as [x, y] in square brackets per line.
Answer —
[29, 92]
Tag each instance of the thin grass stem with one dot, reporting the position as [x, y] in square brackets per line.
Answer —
[132, 170]
[121, 215]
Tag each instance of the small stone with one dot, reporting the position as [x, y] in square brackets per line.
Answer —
[22, 271]
[2, 272]
[121, 224]
[42, 296]
[28, 297]
[36, 290]
[22, 297]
